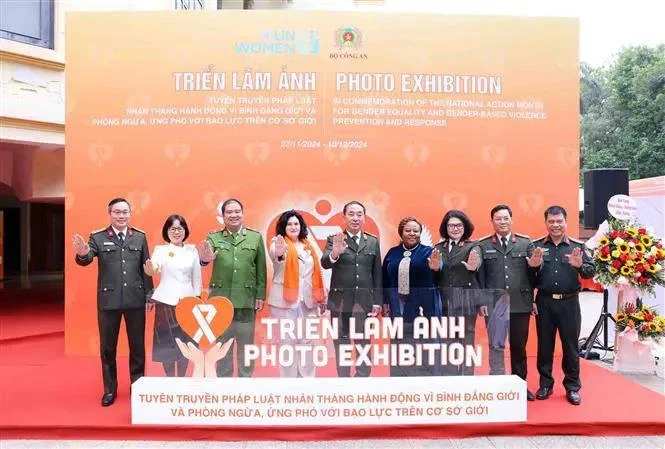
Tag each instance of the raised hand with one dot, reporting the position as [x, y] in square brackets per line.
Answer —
[339, 245]
[205, 252]
[434, 261]
[575, 258]
[483, 311]
[473, 262]
[150, 268]
[536, 259]
[81, 246]
[280, 246]
[191, 352]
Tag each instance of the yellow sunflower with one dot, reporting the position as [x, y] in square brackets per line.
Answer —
[604, 258]
[646, 240]
[603, 241]
[653, 268]
[626, 270]
[630, 263]
[639, 247]
[653, 326]
[620, 316]
[612, 270]
[616, 253]
[623, 247]
[637, 316]
[632, 232]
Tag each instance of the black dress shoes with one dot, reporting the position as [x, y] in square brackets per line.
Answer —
[108, 399]
[574, 397]
[543, 393]
[530, 396]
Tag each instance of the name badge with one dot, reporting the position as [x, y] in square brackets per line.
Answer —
[490, 250]
[109, 243]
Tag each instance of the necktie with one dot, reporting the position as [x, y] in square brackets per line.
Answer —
[504, 242]
[121, 236]
[452, 245]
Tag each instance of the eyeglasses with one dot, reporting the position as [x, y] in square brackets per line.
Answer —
[455, 225]
[120, 212]
[176, 229]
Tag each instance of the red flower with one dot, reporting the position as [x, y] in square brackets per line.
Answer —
[614, 234]
[623, 257]
[659, 245]
[645, 327]
[642, 231]
[605, 251]
[616, 264]
[634, 240]
[639, 267]
[659, 256]
[652, 260]
[648, 316]
[630, 308]
[644, 280]
[623, 235]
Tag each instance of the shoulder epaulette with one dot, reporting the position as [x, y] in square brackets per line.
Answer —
[97, 231]
[252, 230]
[540, 238]
[576, 241]
[137, 229]
[524, 236]
[370, 234]
[485, 237]
[215, 231]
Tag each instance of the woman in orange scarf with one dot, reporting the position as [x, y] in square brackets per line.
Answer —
[297, 286]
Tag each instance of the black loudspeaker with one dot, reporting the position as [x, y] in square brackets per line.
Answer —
[599, 186]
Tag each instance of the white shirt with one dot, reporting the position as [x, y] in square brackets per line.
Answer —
[500, 237]
[180, 272]
[118, 231]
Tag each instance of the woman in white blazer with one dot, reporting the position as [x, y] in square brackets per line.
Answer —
[178, 265]
[297, 285]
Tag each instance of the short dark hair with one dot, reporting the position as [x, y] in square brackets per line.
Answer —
[351, 203]
[556, 210]
[499, 207]
[280, 227]
[229, 201]
[468, 226]
[404, 221]
[118, 200]
[169, 222]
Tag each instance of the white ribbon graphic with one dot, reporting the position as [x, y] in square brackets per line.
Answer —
[204, 323]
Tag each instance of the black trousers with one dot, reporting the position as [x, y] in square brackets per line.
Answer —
[561, 315]
[363, 370]
[518, 336]
[109, 327]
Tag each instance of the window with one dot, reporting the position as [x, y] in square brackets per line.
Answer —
[28, 21]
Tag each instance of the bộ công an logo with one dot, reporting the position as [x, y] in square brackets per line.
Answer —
[348, 37]
[348, 42]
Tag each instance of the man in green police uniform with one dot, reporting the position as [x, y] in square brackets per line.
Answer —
[505, 269]
[561, 261]
[238, 273]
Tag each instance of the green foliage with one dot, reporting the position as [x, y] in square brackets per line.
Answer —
[622, 108]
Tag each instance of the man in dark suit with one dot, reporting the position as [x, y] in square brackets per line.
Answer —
[122, 288]
[505, 269]
[355, 284]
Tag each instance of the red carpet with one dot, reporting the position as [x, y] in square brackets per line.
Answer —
[45, 395]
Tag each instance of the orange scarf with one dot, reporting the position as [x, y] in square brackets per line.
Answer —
[291, 273]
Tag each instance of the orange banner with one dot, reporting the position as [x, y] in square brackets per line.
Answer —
[411, 114]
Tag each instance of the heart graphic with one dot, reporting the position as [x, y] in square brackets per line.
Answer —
[257, 152]
[377, 199]
[494, 154]
[416, 153]
[139, 201]
[568, 157]
[100, 153]
[338, 155]
[204, 319]
[531, 203]
[455, 200]
[177, 152]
